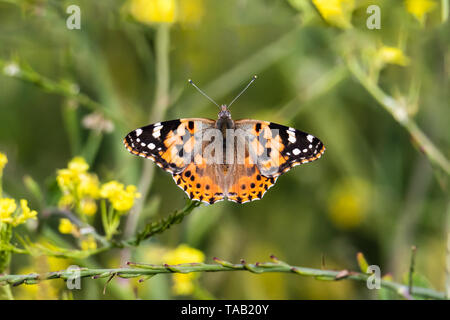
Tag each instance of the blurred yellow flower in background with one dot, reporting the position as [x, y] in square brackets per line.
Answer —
[392, 55]
[183, 283]
[78, 164]
[348, 203]
[88, 207]
[3, 162]
[419, 8]
[120, 197]
[88, 243]
[153, 11]
[166, 11]
[336, 12]
[66, 226]
[79, 187]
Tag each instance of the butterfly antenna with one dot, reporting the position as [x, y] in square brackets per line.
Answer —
[251, 81]
[199, 90]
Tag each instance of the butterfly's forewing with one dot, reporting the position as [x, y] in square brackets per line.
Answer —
[279, 148]
[170, 143]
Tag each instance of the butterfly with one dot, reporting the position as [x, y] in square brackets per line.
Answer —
[214, 160]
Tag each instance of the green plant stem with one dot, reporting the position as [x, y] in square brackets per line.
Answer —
[400, 114]
[268, 267]
[159, 108]
[444, 10]
[160, 226]
[70, 90]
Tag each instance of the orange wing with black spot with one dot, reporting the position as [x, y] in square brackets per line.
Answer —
[248, 184]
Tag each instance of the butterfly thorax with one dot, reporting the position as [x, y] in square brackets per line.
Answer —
[224, 122]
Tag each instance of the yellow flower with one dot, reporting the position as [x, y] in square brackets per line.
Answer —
[419, 8]
[66, 226]
[7, 208]
[88, 207]
[122, 199]
[89, 186]
[80, 188]
[348, 203]
[78, 164]
[65, 179]
[153, 11]
[183, 283]
[3, 162]
[336, 12]
[26, 213]
[69, 178]
[392, 55]
[66, 201]
[183, 254]
[88, 243]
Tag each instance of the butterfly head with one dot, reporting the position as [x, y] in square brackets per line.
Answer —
[224, 112]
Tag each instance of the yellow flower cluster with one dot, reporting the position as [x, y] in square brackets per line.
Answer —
[10, 215]
[419, 8]
[121, 198]
[183, 283]
[88, 243]
[166, 11]
[80, 188]
[336, 12]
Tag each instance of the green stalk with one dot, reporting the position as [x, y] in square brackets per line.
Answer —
[142, 270]
[160, 105]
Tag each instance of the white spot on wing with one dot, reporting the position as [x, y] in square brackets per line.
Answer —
[156, 134]
[296, 151]
[151, 146]
[138, 132]
[292, 139]
[310, 138]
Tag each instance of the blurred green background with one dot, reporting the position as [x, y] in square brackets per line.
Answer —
[373, 191]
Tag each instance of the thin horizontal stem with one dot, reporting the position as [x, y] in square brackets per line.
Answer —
[138, 270]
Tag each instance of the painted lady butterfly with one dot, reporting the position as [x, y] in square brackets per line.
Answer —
[213, 160]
